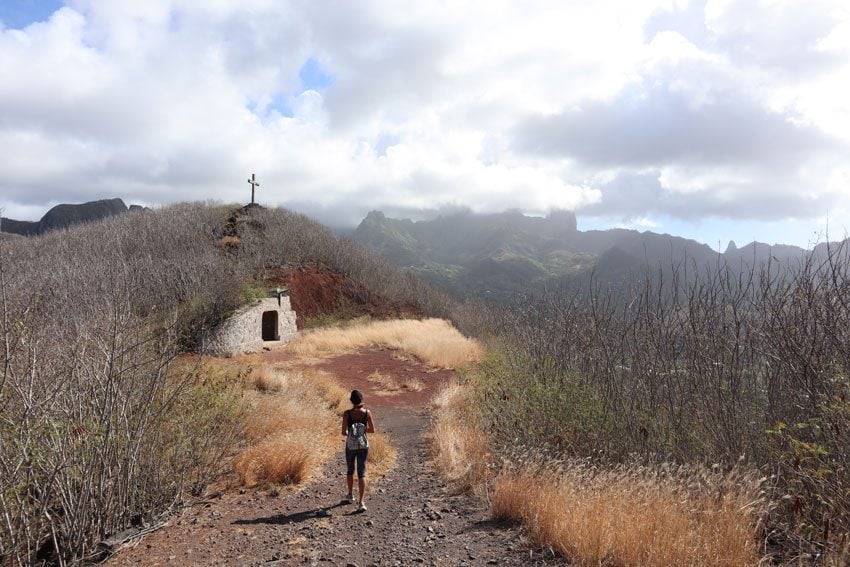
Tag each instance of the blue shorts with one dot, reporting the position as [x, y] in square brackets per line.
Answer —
[358, 455]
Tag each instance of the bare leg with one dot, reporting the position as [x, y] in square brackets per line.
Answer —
[349, 480]
[361, 485]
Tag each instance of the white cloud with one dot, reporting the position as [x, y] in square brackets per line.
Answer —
[168, 100]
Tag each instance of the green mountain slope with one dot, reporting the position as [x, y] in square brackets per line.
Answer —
[496, 255]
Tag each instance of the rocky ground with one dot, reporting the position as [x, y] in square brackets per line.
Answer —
[414, 517]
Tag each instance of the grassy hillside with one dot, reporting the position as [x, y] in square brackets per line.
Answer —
[101, 426]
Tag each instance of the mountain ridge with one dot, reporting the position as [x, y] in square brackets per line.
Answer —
[67, 215]
[495, 255]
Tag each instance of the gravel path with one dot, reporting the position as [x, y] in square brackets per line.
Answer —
[413, 517]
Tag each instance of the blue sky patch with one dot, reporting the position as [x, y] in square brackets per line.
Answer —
[313, 77]
[18, 14]
[282, 104]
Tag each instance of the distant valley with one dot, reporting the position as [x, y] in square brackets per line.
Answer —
[495, 255]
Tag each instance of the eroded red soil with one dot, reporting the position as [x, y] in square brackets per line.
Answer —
[316, 291]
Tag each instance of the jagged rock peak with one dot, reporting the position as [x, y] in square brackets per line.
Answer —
[731, 247]
[566, 219]
[373, 218]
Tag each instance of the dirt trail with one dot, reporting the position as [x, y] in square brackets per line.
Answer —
[413, 518]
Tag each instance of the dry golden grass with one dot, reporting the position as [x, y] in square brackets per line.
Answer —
[384, 382]
[264, 379]
[461, 451]
[390, 386]
[382, 454]
[634, 517]
[628, 516]
[286, 459]
[329, 389]
[412, 385]
[433, 341]
[291, 425]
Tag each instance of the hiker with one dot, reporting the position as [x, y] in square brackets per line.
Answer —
[356, 423]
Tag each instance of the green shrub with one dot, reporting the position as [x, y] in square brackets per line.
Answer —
[533, 405]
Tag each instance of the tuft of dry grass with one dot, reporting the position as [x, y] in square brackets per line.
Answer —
[412, 385]
[382, 454]
[289, 458]
[390, 386]
[329, 389]
[433, 341]
[461, 451]
[292, 426]
[384, 382]
[634, 516]
[264, 379]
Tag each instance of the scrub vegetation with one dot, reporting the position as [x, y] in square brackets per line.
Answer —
[102, 426]
[621, 397]
[692, 416]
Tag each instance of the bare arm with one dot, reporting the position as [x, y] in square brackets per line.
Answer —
[370, 426]
[345, 423]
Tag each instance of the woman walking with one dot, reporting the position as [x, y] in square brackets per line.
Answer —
[356, 423]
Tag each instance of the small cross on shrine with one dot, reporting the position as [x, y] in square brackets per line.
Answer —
[254, 184]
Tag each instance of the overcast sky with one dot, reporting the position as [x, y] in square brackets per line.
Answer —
[714, 120]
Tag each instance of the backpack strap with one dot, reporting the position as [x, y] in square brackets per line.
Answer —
[364, 419]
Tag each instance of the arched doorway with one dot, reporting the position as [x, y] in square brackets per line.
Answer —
[270, 331]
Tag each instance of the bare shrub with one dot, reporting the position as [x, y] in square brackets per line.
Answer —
[723, 364]
[91, 325]
[92, 318]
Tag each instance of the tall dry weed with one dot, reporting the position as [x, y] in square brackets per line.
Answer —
[635, 516]
[461, 450]
[433, 341]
